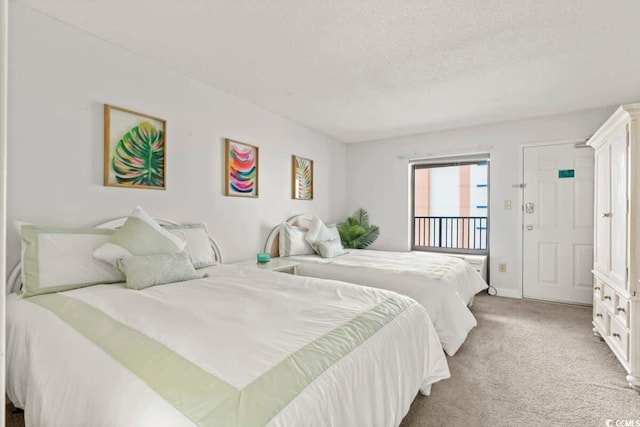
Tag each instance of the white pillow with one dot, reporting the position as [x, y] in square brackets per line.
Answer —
[198, 246]
[325, 240]
[317, 231]
[334, 234]
[292, 241]
[140, 235]
[59, 259]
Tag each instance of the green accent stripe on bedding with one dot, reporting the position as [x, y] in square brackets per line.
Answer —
[264, 398]
[202, 397]
[441, 270]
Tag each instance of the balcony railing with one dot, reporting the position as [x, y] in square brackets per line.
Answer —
[450, 232]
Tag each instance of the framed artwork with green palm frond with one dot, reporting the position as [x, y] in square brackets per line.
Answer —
[134, 149]
[301, 178]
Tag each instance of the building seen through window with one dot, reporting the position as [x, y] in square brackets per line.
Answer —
[451, 206]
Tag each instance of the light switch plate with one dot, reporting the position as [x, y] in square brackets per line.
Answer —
[507, 204]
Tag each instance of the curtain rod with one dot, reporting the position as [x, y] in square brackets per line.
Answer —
[447, 153]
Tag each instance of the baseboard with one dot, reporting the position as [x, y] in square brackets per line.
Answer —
[509, 293]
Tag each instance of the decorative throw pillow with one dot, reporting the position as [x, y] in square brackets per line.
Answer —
[59, 259]
[198, 245]
[151, 270]
[329, 248]
[140, 235]
[292, 241]
[320, 233]
[317, 231]
[334, 234]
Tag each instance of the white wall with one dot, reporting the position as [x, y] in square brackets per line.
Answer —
[379, 180]
[60, 77]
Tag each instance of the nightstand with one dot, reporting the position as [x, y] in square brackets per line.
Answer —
[276, 264]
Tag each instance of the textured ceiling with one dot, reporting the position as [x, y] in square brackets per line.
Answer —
[369, 69]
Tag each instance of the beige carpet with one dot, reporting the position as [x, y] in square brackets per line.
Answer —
[529, 364]
[526, 364]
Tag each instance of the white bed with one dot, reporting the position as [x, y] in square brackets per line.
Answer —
[240, 347]
[444, 285]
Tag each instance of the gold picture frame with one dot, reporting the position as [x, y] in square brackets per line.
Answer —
[301, 178]
[241, 167]
[134, 149]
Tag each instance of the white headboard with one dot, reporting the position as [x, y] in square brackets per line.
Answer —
[14, 280]
[272, 245]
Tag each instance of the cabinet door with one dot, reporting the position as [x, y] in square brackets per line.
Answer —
[602, 255]
[618, 201]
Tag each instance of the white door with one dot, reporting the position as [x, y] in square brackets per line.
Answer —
[558, 223]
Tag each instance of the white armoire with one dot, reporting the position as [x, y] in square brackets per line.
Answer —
[616, 289]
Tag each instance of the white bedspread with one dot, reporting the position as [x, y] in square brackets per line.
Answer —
[444, 285]
[240, 329]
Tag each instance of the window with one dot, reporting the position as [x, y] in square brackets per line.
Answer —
[451, 206]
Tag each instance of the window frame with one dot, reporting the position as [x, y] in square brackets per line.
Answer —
[449, 162]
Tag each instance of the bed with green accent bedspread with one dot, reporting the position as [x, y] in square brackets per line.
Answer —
[238, 348]
[444, 285]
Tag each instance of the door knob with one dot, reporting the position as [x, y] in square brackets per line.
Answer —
[529, 227]
[606, 214]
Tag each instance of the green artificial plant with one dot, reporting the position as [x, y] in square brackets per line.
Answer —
[356, 233]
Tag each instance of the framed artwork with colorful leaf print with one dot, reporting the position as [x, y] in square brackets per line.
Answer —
[134, 149]
[301, 178]
[241, 169]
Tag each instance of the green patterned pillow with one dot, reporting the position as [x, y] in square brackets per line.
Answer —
[140, 235]
[329, 248]
[151, 270]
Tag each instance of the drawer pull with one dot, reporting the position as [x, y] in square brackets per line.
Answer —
[615, 335]
[607, 297]
[597, 288]
[598, 315]
[621, 310]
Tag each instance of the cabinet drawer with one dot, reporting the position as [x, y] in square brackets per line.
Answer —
[621, 311]
[608, 298]
[601, 316]
[598, 289]
[620, 338]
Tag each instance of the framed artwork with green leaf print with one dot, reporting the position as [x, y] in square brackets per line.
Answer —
[301, 178]
[134, 149]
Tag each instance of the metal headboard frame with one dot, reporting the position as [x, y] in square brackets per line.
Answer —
[14, 281]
